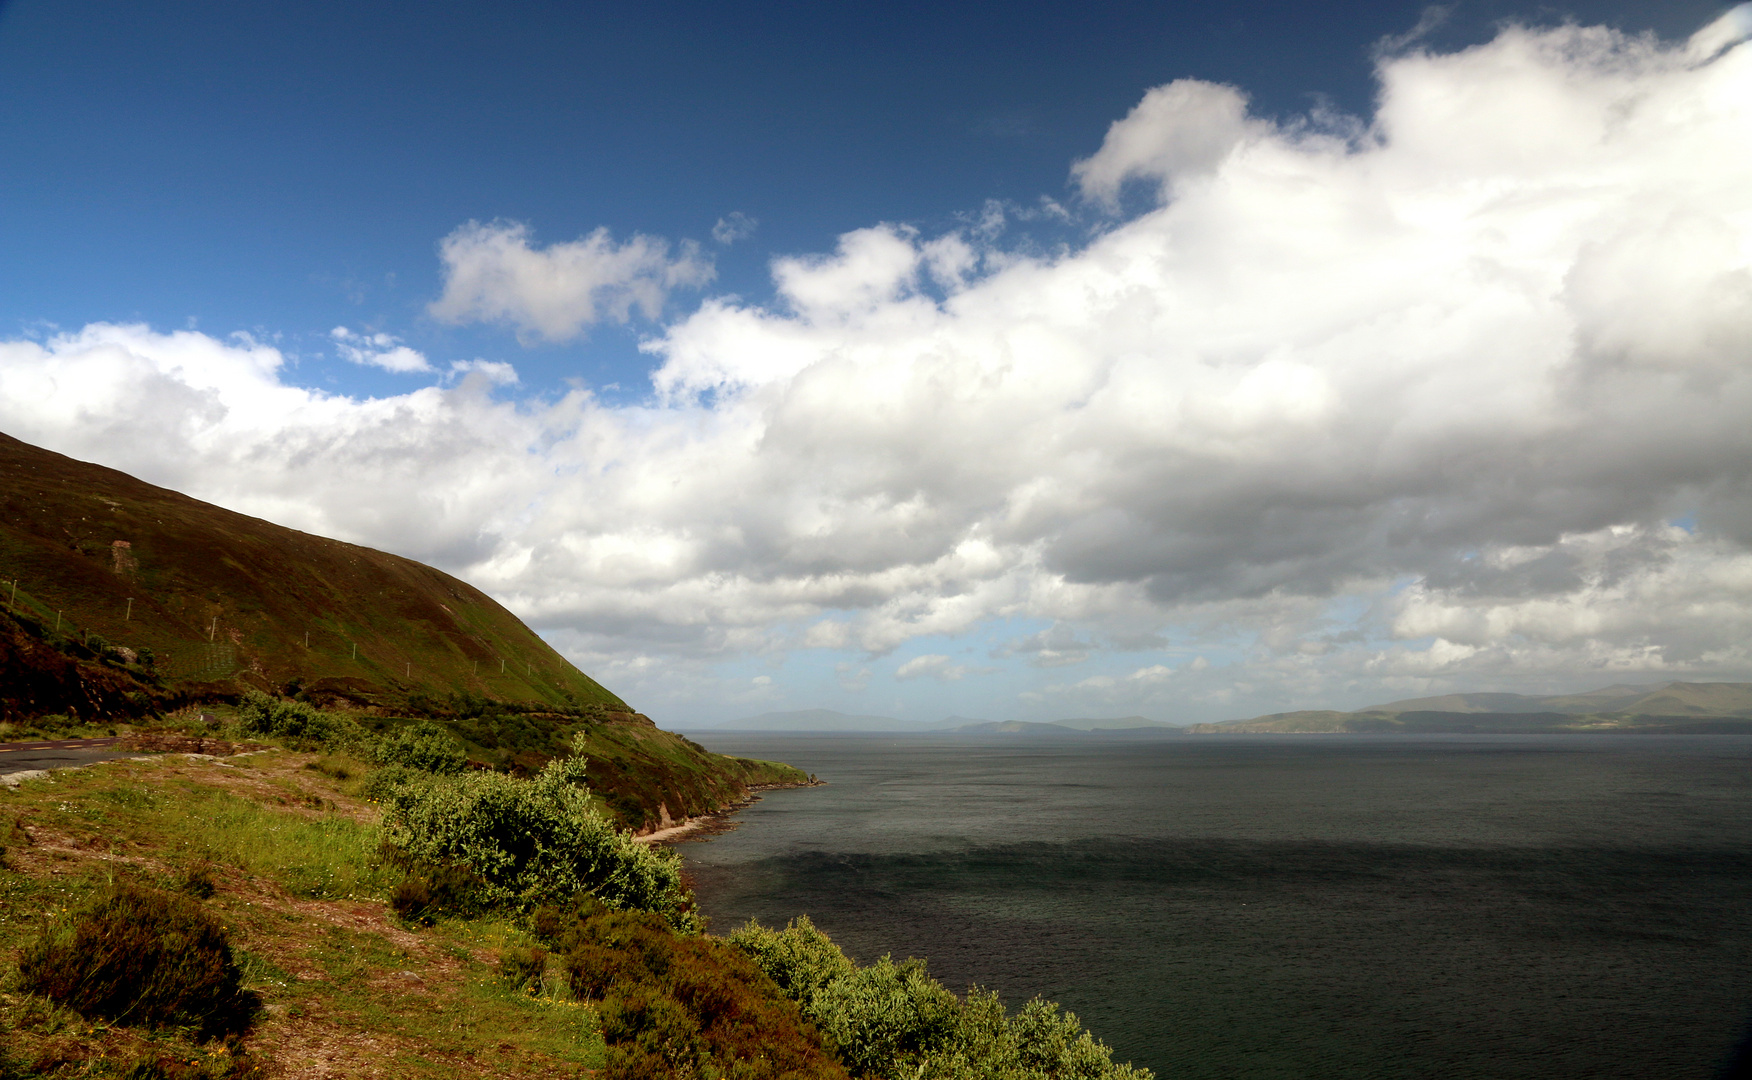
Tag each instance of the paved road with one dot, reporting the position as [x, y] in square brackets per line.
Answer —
[55, 754]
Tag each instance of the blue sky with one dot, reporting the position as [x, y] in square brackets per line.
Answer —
[279, 171]
[284, 169]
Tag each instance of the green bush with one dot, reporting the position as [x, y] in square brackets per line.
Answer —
[386, 780]
[891, 1019]
[141, 956]
[260, 714]
[800, 958]
[424, 746]
[886, 1018]
[535, 841]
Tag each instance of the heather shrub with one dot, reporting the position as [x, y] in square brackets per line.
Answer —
[674, 1006]
[140, 956]
[522, 969]
[534, 841]
[433, 889]
[592, 969]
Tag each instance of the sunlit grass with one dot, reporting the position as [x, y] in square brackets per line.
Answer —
[313, 856]
[430, 1002]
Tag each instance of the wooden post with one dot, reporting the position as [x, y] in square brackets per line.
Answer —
[13, 603]
[307, 639]
[129, 614]
[355, 650]
[501, 665]
[57, 622]
[409, 673]
[212, 629]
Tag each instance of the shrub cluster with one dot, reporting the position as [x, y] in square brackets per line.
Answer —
[674, 1006]
[141, 956]
[531, 842]
[469, 841]
[890, 1019]
[423, 747]
[302, 723]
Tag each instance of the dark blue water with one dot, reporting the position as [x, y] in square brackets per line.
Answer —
[1284, 906]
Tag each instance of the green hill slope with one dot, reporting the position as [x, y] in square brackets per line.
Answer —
[217, 599]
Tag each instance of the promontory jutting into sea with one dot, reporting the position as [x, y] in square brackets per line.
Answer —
[672, 541]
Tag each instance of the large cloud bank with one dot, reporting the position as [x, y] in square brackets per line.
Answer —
[1454, 397]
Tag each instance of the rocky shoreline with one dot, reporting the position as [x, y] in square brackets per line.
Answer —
[670, 831]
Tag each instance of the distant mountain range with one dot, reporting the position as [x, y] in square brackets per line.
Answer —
[1673, 707]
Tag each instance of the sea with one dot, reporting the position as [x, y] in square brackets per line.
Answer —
[1283, 907]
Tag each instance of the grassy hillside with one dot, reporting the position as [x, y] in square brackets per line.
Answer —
[336, 952]
[217, 599]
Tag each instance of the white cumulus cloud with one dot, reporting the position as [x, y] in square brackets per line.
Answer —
[379, 351]
[493, 274]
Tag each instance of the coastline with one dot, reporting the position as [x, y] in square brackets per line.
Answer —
[718, 821]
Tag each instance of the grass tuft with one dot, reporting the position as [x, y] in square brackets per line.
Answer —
[522, 969]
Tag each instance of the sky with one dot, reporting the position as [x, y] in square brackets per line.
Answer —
[1187, 360]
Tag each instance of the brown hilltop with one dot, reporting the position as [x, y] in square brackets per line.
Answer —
[220, 601]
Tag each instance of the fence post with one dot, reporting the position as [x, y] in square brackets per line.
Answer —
[129, 614]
